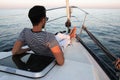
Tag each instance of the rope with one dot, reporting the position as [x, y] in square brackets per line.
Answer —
[83, 23]
[56, 8]
[62, 17]
[109, 54]
[80, 9]
[56, 19]
[110, 71]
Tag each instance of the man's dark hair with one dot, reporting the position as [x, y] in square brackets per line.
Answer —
[36, 14]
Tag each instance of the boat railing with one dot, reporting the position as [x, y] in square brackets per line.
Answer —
[112, 72]
[105, 66]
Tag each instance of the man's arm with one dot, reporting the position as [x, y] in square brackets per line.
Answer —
[17, 48]
[57, 52]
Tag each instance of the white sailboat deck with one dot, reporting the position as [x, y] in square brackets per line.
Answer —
[79, 65]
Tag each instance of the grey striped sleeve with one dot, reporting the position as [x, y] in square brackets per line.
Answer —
[52, 41]
[21, 36]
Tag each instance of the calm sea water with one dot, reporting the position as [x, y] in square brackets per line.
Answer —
[103, 23]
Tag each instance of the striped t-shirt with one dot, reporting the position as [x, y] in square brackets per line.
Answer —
[39, 42]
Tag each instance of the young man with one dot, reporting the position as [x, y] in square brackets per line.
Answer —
[40, 42]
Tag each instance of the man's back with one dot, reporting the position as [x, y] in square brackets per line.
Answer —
[39, 42]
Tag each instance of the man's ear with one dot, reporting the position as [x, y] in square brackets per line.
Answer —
[43, 20]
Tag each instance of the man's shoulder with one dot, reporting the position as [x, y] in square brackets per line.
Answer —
[26, 29]
[50, 36]
[48, 33]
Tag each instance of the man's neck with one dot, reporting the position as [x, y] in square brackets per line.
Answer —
[37, 28]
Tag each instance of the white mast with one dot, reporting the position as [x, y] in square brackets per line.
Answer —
[68, 23]
[68, 9]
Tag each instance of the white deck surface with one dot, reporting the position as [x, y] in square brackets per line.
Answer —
[79, 65]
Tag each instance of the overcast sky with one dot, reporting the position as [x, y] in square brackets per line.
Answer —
[52, 3]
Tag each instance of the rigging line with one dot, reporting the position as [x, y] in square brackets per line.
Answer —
[80, 9]
[108, 65]
[84, 19]
[56, 8]
[99, 60]
[110, 70]
[102, 47]
[83, 23]
[109, 54]
[70, 7]
[62, 17]
[77, 20]
[56, 19]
